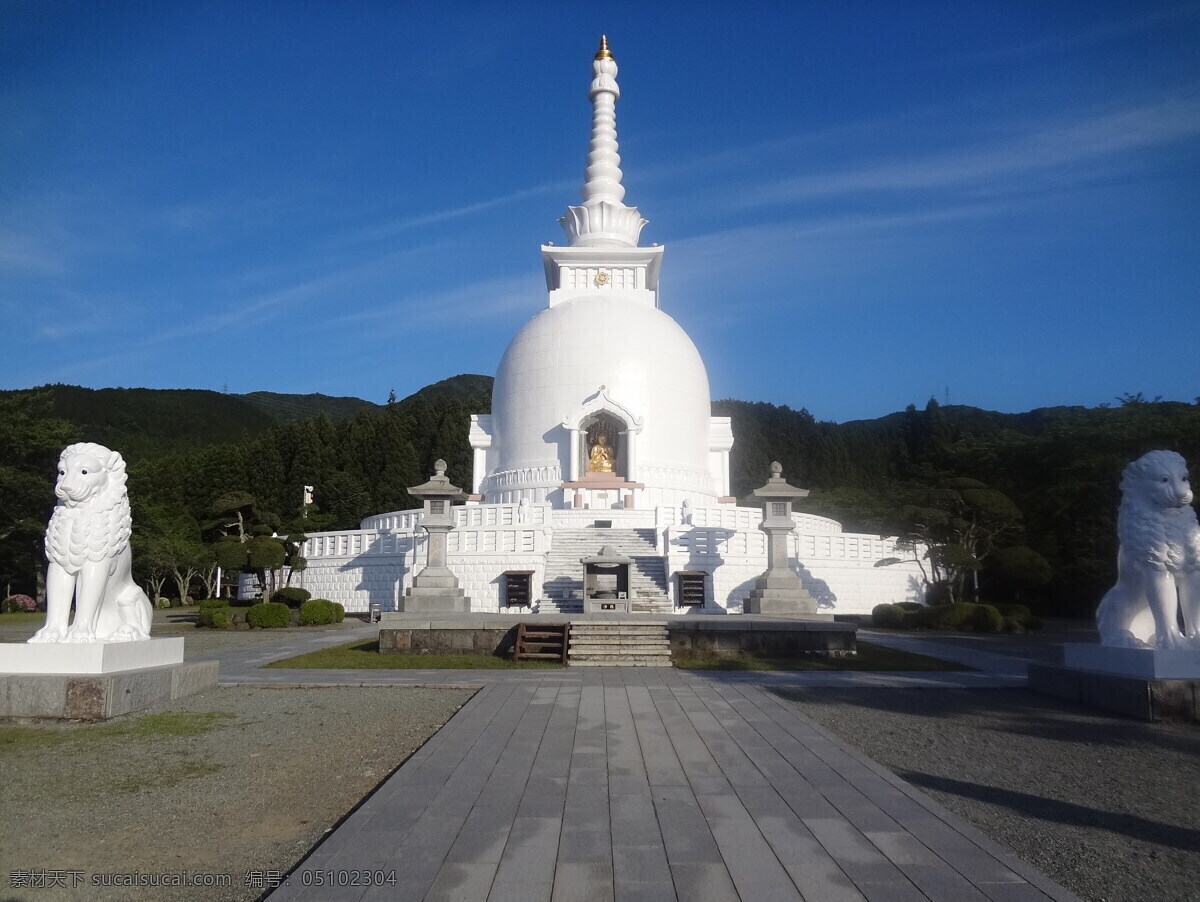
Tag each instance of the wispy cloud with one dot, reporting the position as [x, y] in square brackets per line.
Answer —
[396, 226]
[488, 299]
[27, 254]
[1041, 150]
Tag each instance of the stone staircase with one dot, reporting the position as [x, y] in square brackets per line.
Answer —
[562, 589]
[616, 643]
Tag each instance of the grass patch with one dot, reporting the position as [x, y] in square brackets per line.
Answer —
[366, 656]
[148, 726]
[869, 657]
[22, 617]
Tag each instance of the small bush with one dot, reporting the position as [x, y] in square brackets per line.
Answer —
[162, 603]
[269, 615]
[986, 619]
[982, 618]
[948, 616]
[340, 610]
[317, 611]
[213, 603]
[18, 603]
[888, 616]
[1020, 614]
[292, 596]
[213, 617]
[910, 607]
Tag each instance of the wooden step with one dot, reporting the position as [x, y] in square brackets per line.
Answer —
[541, 641]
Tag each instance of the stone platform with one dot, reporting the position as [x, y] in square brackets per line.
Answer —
[1145, 683]
[99, 696]
[413, 633]
[1146, 663]
[96, 680]
[92, 657]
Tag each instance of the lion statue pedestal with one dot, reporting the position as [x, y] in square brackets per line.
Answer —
[103, 662]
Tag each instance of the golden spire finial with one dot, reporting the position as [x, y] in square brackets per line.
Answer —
[604, 53]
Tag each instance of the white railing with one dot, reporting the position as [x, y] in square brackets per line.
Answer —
[353, 543]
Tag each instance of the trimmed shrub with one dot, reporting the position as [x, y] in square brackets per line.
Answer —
[888, 616]
[317, 611]
[340, 610]
[15, 603]
[213, 617]
[986, 619]
[910, 607]
[948, 616]
[1020, 614]
[162, 603]
[269, 615]
[292, 596]
[213, 603]
[962, 615]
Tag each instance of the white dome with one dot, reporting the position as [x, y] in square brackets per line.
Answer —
[642, 361]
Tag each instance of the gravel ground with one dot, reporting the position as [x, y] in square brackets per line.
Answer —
[1108, 807]
[276, 769]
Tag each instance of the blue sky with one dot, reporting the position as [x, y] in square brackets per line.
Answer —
[864, 204]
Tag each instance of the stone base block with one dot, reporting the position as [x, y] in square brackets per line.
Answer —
[1147, 663]
[779, 601]
[1126, 695]
[448, 641]
[93, 657]
[64, 696]
[427, 598]
[730, 636]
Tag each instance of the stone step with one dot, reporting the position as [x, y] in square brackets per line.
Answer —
[582, 652]
[641, 633]
[580, 638]
[626, 661]
[600, 626]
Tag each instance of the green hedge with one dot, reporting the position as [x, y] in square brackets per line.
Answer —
[888, 616]
[292, 596]
[317, 611]
[213, 617]
[986, 619]
[269, 615]
[1020, 616]
[983, 618]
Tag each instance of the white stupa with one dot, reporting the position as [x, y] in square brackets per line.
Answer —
[601, 436]
[602, 362]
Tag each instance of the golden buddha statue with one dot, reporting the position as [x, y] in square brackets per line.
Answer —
[600, 460]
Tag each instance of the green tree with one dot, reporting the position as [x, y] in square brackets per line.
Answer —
[951, 527]
[265, 556]
[169, 538]
[31, 438]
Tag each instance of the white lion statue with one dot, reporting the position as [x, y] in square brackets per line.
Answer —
[1158, 565]
[87, 544]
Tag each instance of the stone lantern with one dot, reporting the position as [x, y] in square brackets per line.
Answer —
[606, 581]
[778, 590]
[436, 588]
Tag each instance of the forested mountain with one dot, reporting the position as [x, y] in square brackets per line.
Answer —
[297, 407]
[143, 422]
[1027, 500]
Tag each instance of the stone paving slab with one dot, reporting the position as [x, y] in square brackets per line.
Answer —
[634, 784]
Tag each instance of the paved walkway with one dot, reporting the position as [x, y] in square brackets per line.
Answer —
[641, 784]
